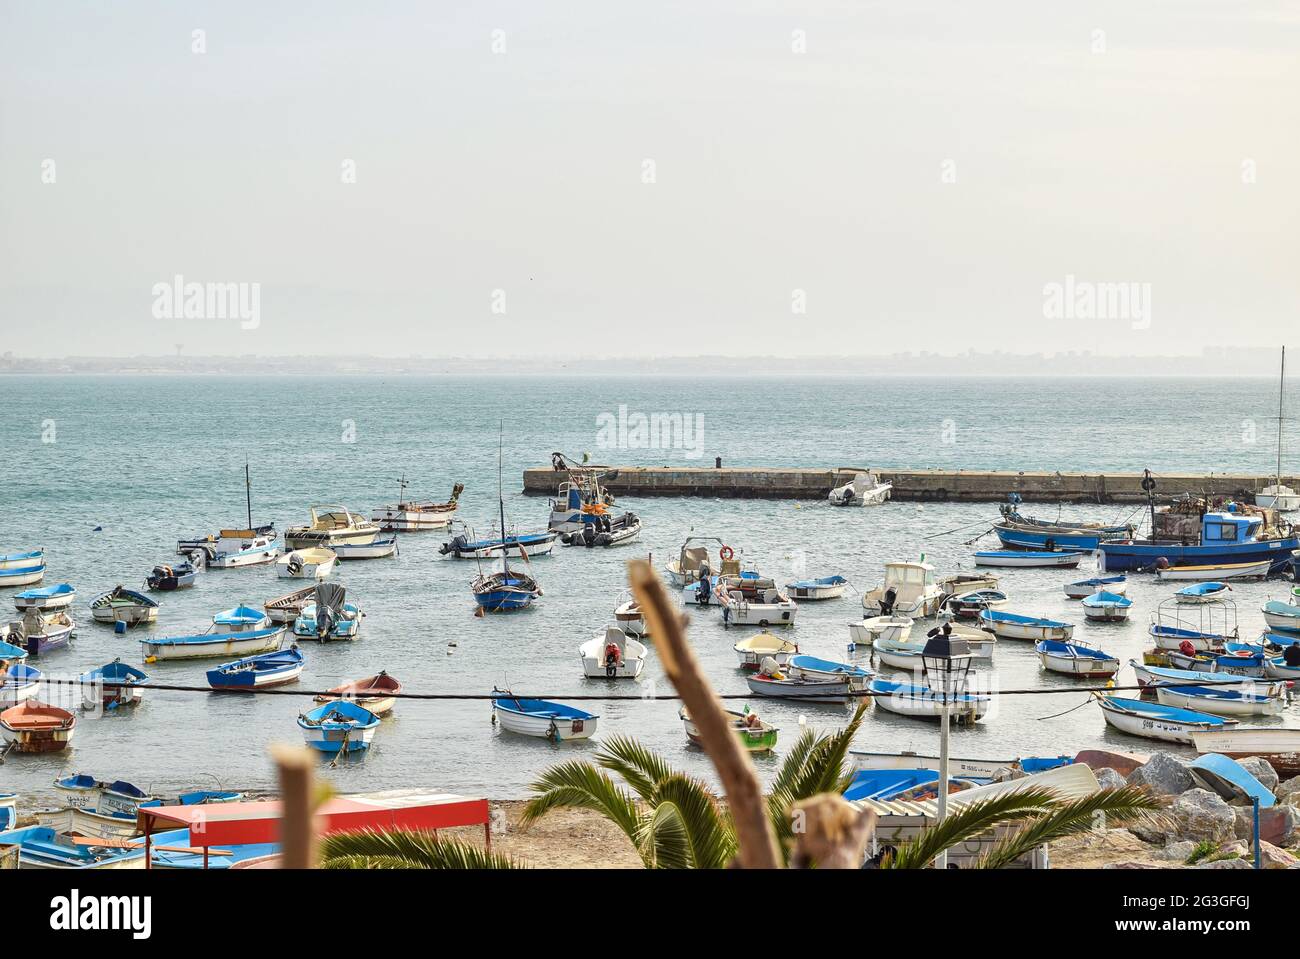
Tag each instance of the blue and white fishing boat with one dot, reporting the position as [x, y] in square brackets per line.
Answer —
[45, 598]
[1154, 675]
[41, 847]
[166, 577]
[339, 726]
[1242, 659]
[824, 587]
[329, 617]
[25, 560]
[811, 667]
[1106, 607]
[1011, 558]
[1199, 593]
[1017, 626]
[241, 631]
[1086, 587]
[19, 682]
[1075, 659]
[1227, 539]
[1025, 532]
[1219, 701]
[1156, 720]
[382, 546]
[1201, 627]
[542, 718]
[1230, 779]
[259, 672]
[970, 605]
[578, 497]
[1284, 616]
[11, 576]
[101, 810]
[122, 605]
[907, 784]
[805, 688]
[908, 699]
[112, 685]
[516, 544]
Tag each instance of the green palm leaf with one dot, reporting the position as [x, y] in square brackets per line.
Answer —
[968, 821]
[580, 785]
[642, 768]
[406, 849]
[1065, 818]
[709, 837]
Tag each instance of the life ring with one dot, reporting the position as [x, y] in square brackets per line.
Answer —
[726, 552]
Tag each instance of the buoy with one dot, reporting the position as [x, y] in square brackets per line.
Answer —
[98, 529]
[119, 627]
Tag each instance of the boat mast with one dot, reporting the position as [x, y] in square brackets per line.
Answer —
[501, 502]
[1281, 388]
[248, 495]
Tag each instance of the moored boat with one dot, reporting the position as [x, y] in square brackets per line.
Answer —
[240, 631]
[825, 587]
[1280, 615]
[41, 847]
[1026, 532]
[40, 632]
[612, 654]
[1277, 495]
[1157, 720]
[330, 526]
[803, 688]
[865, 489]
[1017, 626]
[287, 608]
[1014, 558]
[873, 629]
[126, 606]
[1155, 675]
[1216, 572]
[46, 598]
[1279, 746]
[262, 671]
[1086, 587]
[411, 516]
[23, 560]
[377, 693]
[1226, 540]
[382, 547]
[1199, 593]
[955, 584]
[970, 605]
[921, 702]
[1106, 607]
[812, 667]
[527, 545]
[18, 681]
[542, 718]
[630, 619]
[112, 685]
[755, 735]
[329, 616]
[338, 726]
[1219, 701]
[696, 558]
[752, 651]
[312, 563]
[1075, 659]
[12, 576]
[167, 577]
[754, 602]
[601, 529]
[908, 589]
[580, 496]
[34, 727]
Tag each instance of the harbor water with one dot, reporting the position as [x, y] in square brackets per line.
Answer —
[106, 473]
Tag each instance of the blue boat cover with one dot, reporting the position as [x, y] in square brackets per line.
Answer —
[827, 666]
[997, 616]
[1160, 711]
[1230, 779]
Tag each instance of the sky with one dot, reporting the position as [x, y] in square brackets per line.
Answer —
[515, 179]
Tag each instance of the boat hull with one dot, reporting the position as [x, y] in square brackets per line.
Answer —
[1281, 747]
[22, 576]
[1129, 556]
[818, 691]
[393, 520]
[231, 646]
[1011, 559]
[556, 729]
[1262, 706]
[1081, 666]
[1013, 538]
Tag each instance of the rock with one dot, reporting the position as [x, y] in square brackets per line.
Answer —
[1261, 770]
[1279, 825]
[1288, 790]
[1108, 778]
[1134, 864]
[1098, 759]
[1237, 848]
[1271, 857]
[1201, 815]
[1163, 775]
[1155, 833]
[1224, 864]
[1177, 851]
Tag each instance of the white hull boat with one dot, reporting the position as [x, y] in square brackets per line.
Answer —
[1014, 558]
[612, 655]
[1217, 573]
[875, 629]
[12, 561]
[1155, 675]
[19, 684]
[827, 587]
[1073, 659]
[1219, 702]
[234, 634]
[920, 702]
[1107, 607]
[1109, 584]
[752, 651]
[737, 610]
[865, 489]
[121, 605]
[1156, 720]
[630, 619]
[316, 563]
[415, 517]
[543, 719]
[1279, 497]
[233, 548]
[1035, 628]
[331, 525]
[21, 576]
[915, 593]
[379, 549]
[1202, 593]
[806, 690]
[48, 599]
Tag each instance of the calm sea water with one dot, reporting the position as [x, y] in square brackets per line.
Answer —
[151, 459]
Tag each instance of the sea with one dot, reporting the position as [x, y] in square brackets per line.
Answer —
[105, 473]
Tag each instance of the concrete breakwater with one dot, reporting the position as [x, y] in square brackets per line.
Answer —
[933, 485]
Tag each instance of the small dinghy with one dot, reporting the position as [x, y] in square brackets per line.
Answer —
[338, 726]
[1202, 593]
[46, 598]
[906, 653]
[1015, 626]
[11, 576]
[380, 548]
[126, 606]
[1280, 615]
[40, 633]
[377, 693]
[752, 651]
[262, 671]
[329, 617]
[970, 605]
[612, 655]
[505, 591]
[865, 489]
[43, 847]
[811, 667]
[35, 557]
[1074, 659]
[957, 583]
[1218, 572]
[1086, 587]
[826, 587]
[314, 562]
[1157, 720]
[1219, 701]
[287, 608]
[755, 735]
[907, 699]
[1011, 558]
[241, 631]
[18, 682]
[822, 690]
[875, 629]
[112, 685]
[542, 718]
[32, 727]
[1230, 779]
[629, 618]
[599, 529]
[1106, 607]
[168, 577]
[525, 544]
[1155, 675]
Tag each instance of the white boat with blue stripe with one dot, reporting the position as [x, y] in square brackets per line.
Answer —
[46, 598]
[11, 576]
[32, 557]
[542, 718]
[262, 671]
[1075, 659]
[824, 587]
[1156, 720]
[1199, 593]
[1086, 587]
[1013, 558]
[1106, 607]
[19, 683]
[338, 726]
[1017, 626]
[1155, 675]
[922, 702]
[241, 631]
[1220, 702]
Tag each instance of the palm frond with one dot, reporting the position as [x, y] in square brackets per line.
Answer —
[406, 849]
[662, 840]
[794, 760]
[967, 821]
[642, 768]
[710, 837]
[823, 770]
[580, 785]
[1069, 817]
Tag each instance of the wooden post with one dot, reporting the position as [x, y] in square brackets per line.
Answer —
[757, 841]
[297, 829]
[148, 833]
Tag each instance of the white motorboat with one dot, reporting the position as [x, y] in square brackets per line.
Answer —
[825, 587]
[411, 516]
[312, 563]
[701, 555]
[754, 602]
[874, 629]
[629, 617]
[232, 548]
[331, 525]
[612, 655]
[752, 651]
[865, 489]
[908, 589]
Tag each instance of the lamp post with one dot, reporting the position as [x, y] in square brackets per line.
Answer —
[946, 661]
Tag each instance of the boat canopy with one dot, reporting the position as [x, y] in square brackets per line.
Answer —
[239, 616]
[908, 574]
[1217, 528]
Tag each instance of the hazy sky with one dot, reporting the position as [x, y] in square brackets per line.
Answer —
[921, 171]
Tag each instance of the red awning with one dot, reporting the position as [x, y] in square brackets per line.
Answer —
[238, 823]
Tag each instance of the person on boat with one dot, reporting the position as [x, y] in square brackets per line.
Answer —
[887, 602]
[752, 721]
[612, 655]
[1291, 655]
